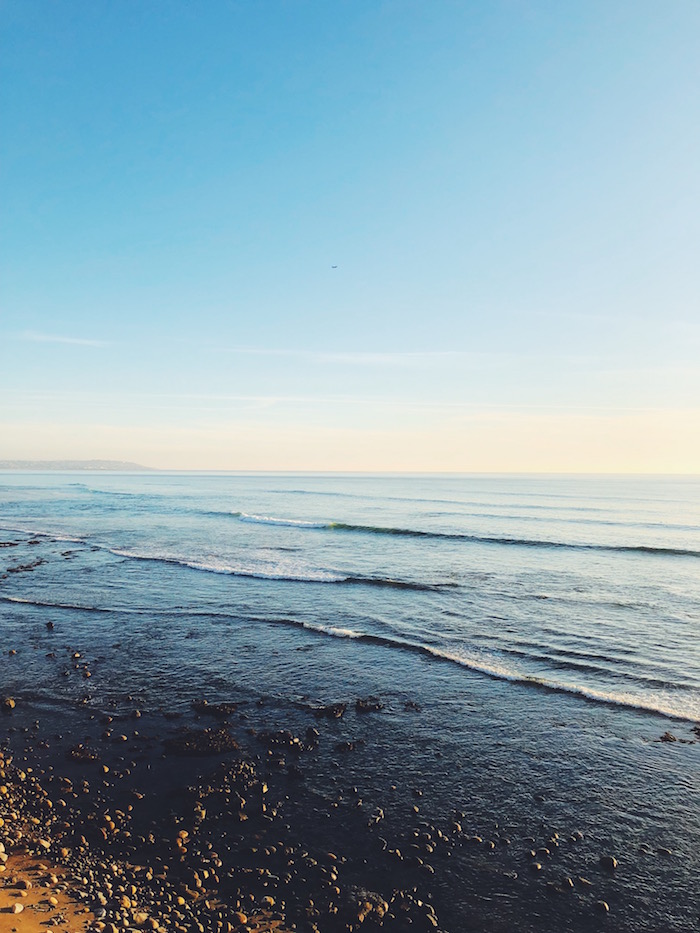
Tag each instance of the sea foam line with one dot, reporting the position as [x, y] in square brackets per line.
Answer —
[271, 520]
[493, 671]
[489, 670]
[460, 536]
[314, 576]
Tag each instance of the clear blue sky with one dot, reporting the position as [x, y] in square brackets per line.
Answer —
[509, 191]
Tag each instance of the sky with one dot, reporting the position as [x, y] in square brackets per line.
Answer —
[351, 235]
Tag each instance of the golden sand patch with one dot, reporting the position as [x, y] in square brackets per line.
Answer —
[37, 888]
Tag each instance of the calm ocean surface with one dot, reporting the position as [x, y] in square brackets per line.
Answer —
[585, 585]
[531, 639]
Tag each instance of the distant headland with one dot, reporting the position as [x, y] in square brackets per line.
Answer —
[72, 465]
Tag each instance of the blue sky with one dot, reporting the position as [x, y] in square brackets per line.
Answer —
[509, 192]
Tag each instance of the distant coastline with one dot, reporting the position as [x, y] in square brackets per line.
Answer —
[72, 465]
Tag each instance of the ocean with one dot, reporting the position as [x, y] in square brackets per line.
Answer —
[530, 640]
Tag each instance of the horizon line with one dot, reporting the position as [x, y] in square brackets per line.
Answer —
[136, 469]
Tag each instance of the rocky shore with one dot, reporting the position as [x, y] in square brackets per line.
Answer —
[164, 844]
[233, 811]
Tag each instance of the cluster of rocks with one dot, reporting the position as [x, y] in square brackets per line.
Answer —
[223, 861]
[218, 853]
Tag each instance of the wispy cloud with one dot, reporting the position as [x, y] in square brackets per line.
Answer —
[36, 337]
[361, 358]
[180, 401]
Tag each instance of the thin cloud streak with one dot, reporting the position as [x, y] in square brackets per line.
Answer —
[400, 358]
[35, 337]
[268, 401]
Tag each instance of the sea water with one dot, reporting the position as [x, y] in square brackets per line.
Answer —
[547, 628]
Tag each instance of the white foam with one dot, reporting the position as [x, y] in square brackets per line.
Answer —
[502, 672]
[271, 520]
[260, 570]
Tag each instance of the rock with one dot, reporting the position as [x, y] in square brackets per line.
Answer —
[349, 746]
[16, 908]
[197, 742]
[8, 704]
[608, 862]
[331, 711]
[82, 753]
[668, 737]
[369, 705]
[220, 710]
[602, 907]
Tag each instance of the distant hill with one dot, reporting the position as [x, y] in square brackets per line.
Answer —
[71, 465]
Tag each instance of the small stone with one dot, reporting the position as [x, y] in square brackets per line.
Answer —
[16, 908]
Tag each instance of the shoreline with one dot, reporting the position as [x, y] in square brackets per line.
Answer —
[197, 820]
[113, 856]
[196, 753]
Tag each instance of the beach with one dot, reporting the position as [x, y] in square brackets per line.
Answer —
[262, 719]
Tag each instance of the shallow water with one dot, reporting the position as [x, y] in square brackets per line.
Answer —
[547, 627]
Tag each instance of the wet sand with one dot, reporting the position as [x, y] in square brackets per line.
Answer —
[35, 896]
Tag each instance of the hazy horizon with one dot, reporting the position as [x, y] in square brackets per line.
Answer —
[365, 236]
[80, 466]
